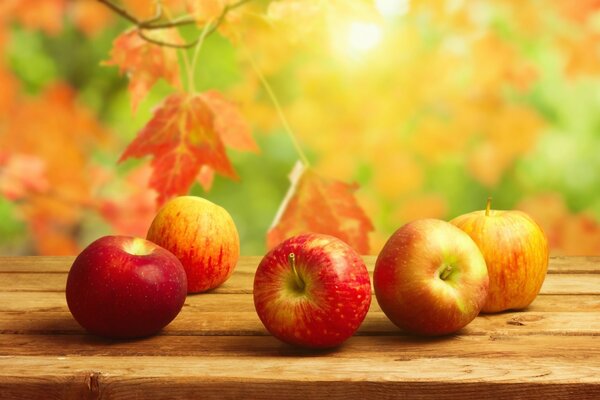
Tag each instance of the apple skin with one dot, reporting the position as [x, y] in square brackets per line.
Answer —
[516, 253]
[408, 278]
[334, 301]
[202, 235]
[124, 287]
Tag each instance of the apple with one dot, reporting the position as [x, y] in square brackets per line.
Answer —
[515, 251]
[312, 290]
[430, 278]
[202, 235]
[125, 287]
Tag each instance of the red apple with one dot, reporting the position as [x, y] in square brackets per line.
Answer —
[312, 290]
[430, 278]
[515, 251]
[202, 235]
[124, 287]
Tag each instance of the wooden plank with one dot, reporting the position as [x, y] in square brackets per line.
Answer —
[213, 302]
[574, 265]
[242, 281]
[217, 347]
[570, 265]
[247, 323]
[315, 376]
[90, 384]
[36, 263]
[375, 348]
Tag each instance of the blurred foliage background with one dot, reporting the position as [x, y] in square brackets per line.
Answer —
[430, 106]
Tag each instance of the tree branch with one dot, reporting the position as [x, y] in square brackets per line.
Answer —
[121, 11]
[155, 24]
[166, 44]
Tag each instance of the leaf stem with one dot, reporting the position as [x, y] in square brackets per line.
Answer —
[446, 272]
[299, 282]
[166, 44]
[278, 108]
[200, 41]
[488, 206]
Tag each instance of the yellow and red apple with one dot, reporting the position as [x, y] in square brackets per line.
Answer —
[202, 235]
[312, 290]
[430, 278]
[516, 254]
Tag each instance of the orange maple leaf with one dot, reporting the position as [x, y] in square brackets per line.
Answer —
[207, 10]
[49, 175]
[90, 16]
[22, 174]
[144, 62]
[183, 137]
[318, 204]
[45, 15]
[233, 128]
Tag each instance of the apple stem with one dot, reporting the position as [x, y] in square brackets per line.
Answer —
[299, 281]
[446, 272]
[488, 206]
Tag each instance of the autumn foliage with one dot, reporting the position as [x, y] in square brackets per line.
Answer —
[445, 105]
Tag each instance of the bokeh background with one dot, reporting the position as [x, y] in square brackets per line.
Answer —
[430, 106]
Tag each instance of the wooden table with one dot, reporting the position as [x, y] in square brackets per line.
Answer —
[217, 348]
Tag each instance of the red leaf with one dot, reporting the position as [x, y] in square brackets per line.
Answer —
[229, 122]
[182, 136]
[144, 62]
[22, 175]
[233, 128]
[205, 10]
[46, 15]
[205, 177]
[318, 204]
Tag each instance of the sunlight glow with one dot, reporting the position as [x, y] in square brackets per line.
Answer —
[392, 8]
[363, 36]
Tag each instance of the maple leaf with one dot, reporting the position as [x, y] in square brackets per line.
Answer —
[46, 15]
[145, 9]
[205, 10]
[187, 139]
[22, 174]
[49, 174]
[229, 122]
[90, 16]
[233, 128]
[144, 62]
[317, 204]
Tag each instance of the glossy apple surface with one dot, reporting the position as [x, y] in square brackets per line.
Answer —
[516, 253]
[312, 290]
[430, 278]
[124, 287]
[202, 235]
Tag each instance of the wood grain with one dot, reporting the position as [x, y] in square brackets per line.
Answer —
[581, 348]
[221, 377]
[573, 265]
[217, 347]
[242, 281]
[212, 302]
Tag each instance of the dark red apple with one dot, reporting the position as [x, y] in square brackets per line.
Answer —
[312, 290]
[124, 287]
